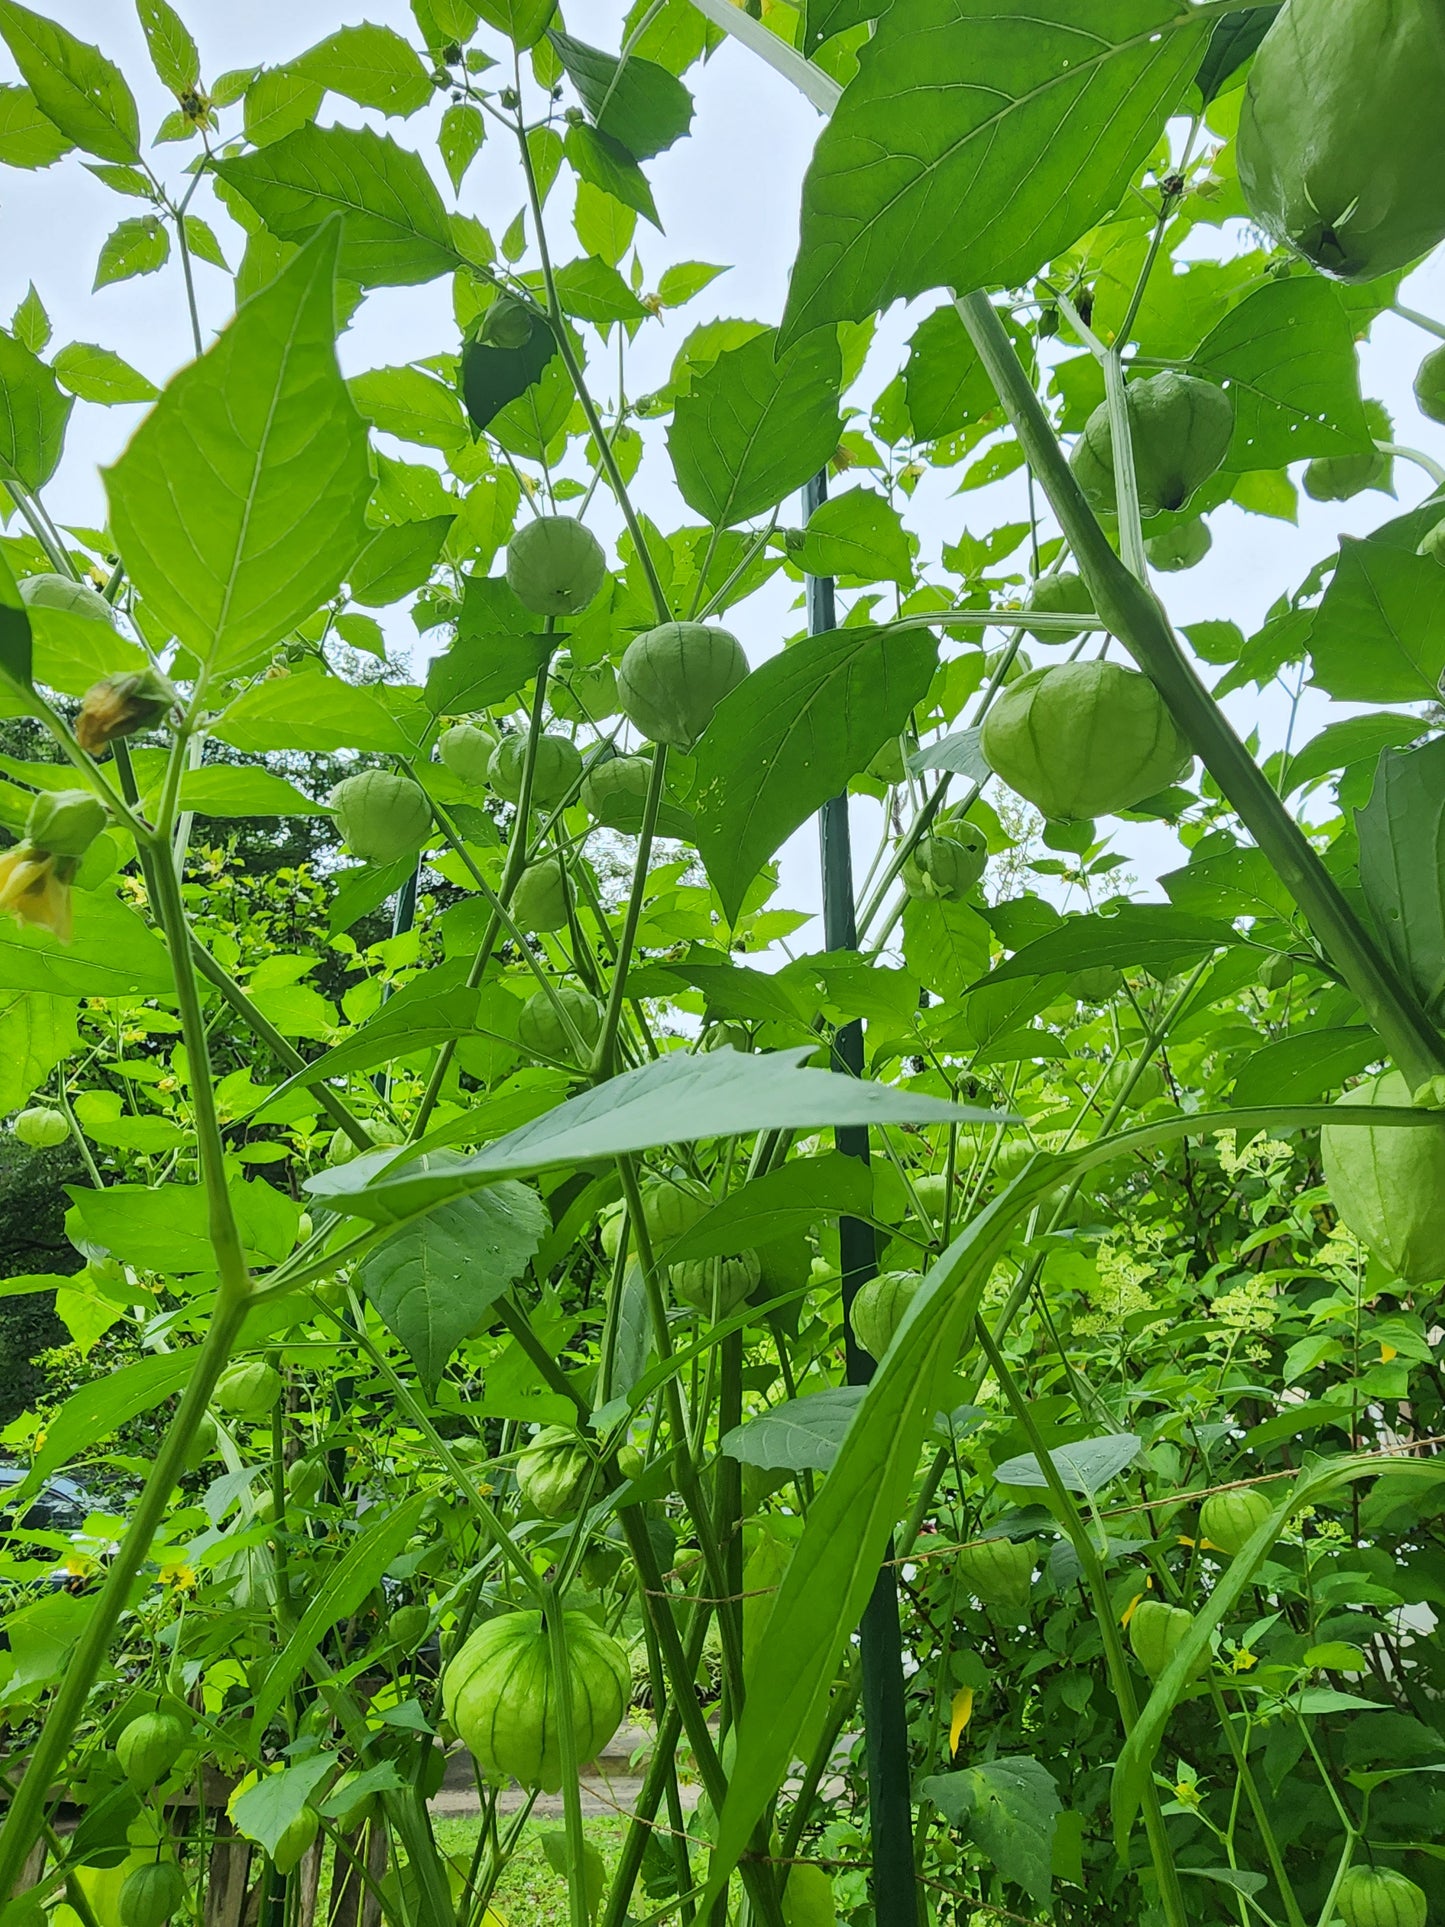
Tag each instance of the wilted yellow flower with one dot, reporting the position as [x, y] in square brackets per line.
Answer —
[35, 888]
[959, 1717]
[119, 705]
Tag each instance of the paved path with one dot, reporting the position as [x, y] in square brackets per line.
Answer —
[610, 1784]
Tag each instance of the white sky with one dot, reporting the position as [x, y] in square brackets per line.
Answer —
[728, 194]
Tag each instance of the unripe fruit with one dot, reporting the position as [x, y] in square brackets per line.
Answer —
[1083, 740]
[341, 1150]
[305, 1479]
[296, 1837]
[808, 1899]
[1339, 478]
[120, 705]
[1145, 1088]
[1341, 150]
[508, 323]
[1065, 594]
[204, 1442]
[249, 1389]
[731, 1035]
[581, 695]
[1429, 387]
[64, 822]
[614, 792]
[541, 1028]
[888, 765]
[149, 1746]
[599, 1565]
[1019, 665]
[553, 1471]
[878, 1309]
[671, 1207]
[1276, 971]
[1388, 1184]
[539, 901]
[1156, 1632]
[381, 817]
[408, 1627]
[47, 591]
[931, 1190]
[631, 1461]
[41, 1128]
[555, 566]
[1181, 429]
[1432, 543]
[557, 768]
[1000, 1573]
[1380, 1897]
[947, 865]
[1229, 1519]
[673, 677]
[500, 1693]
[467, 749]
[1096, 986]
[151, 1894]
[724, 1282]
[1182, 547]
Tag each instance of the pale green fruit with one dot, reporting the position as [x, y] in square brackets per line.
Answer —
[672, 1206]
[673, 677]
[1430, 385]
[1388, 1184]
[500, 1693]
[149, 1746]
[555, 566]
[877, 1310]
[543, 1030]
[540, 899]
[808, 1899]
[726, 1283]
[1181, 429]
[1228, 1519]
[1341, 145]
[552, 1471]
[467, 749]
[1148, 1086]
[1156, 1632]
[64, 822]
[1182, 547]
[41, 1128]
[1000, 1573]
[250, 1389]
[381, 817]
[581, 695]
[1084, 739]
[1065, 594]
[296, 1837]
[1380, 1897]
[947, 865]
[152, 1894]
[1339, 478]
[47, 591]
[341, 1150]
[556, 770]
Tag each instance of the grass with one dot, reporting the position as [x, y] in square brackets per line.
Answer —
[529, 1893]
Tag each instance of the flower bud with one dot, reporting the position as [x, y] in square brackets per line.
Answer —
[64, 822]
[120, 705]
[35, 888]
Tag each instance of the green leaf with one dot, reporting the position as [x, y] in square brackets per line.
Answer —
[203, 244]
[28, 138]
[1136, 935]
[413, 405]
[111, 954]
[15, 636]
[1401, 830]
[396, 231]
[73, 83]
[857, 534]
[593, 291]
[73, 652]
[317, 712]
[1025, 122]
[101, 1408]
[1379, 634]
[423, 1013]
[1009, 1807]
[36, 1034]
[945, 945]
[397, 560]
[791, 735]
[1358, 739]
[800, 1435]
[639, 104]
[1287, 355]
[606, 164]
[479, 670]
[173, 52]
[1232, 42]
[264, 1811]
[1299, 1069]
[433, 1282]
[494, 377]
[223, 790]
[360, 889]
[240, 503]
[100, 375]
[33, 416]
[141, 245]
[279, 102]
[755, 426]
[945, 384]
[346, 1584]
[678, 1098]
[30, 323]
[791, 1199]
[1086, 1466]
[166, 1228]
[462, 132]
[684, 280]
[371, 65]
[604, 226]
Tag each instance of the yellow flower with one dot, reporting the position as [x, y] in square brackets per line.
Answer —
[35, 888]
[959, 1718]
[80, 1565]
[178, 1578]
[1244, 1660]
[1186, 1793]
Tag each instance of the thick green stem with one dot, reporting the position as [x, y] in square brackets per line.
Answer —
[1135, 615]
[607, 1043]
[571, 1765]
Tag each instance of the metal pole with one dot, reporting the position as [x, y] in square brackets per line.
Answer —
[885, 1720]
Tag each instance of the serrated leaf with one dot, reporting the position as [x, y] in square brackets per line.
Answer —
[371, 65]
[434, 1281]
[639, 104]
[857, 534]
[33, 416]
[1086, 1466]
[754, 425]
[413, 405]
[1025, 123]
[462, 132]
[240, 503]
[396, 231]
[1379, 633]
[791, 735]
[73, 83]
[606, 164]
[1010, 1808]
[173, 52]
[99, 375]
[28, 138]
[1402, 866]
[141, 245]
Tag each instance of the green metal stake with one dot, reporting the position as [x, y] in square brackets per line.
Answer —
[885, 1719]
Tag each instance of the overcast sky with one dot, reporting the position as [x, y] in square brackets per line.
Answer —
[729, 195]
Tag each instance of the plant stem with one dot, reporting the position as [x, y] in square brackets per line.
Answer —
[1135, 615]
[571, 1765]
[603, 1061]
